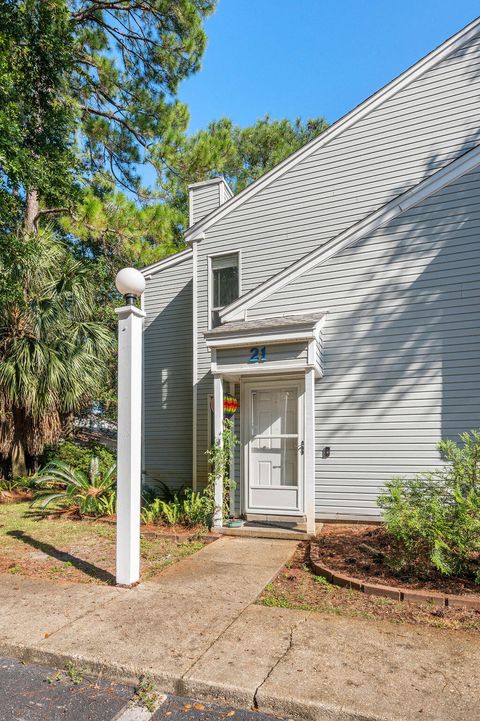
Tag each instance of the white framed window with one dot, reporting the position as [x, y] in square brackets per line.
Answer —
[224, 283]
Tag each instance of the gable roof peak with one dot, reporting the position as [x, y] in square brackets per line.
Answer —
[402, 203]
[449, 46]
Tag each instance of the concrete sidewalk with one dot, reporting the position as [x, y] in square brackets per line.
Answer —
[195, 628]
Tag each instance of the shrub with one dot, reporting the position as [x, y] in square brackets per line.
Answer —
[80, 457]
[160, 511]
[23, 483]
[197, 509]
[192, 509]
[435, 517]
[71, 490]
[161, 490]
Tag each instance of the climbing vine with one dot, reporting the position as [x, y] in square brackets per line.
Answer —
[219, 458]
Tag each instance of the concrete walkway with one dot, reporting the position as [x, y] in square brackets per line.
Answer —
[195, 628]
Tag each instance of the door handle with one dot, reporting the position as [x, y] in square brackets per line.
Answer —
[301, 448]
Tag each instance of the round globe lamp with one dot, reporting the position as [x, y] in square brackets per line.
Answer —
[130, 283]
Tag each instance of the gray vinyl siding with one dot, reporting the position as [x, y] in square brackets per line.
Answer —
[204, 200]
[426, 125]
[168, 377]
[401, 347]
[279, 353]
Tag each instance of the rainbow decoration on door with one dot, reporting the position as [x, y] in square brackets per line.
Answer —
[230, 406]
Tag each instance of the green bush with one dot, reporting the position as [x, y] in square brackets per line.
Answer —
[23, 483]
[70, 490]
[161, 490]
[435, 517]
[79, 457]
[190, 509]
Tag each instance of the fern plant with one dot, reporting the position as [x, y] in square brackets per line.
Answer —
[191, 510]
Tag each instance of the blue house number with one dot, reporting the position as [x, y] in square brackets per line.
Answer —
[258, 355]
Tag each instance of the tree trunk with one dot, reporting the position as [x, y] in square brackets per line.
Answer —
[31, 210]
[18, 454]
[68, 430]
[19, 464]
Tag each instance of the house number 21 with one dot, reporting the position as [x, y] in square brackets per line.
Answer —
[258, 355]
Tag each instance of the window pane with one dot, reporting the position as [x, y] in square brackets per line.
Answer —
[225, 286]
[274, 462]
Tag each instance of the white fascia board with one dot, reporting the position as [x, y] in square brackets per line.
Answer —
[359, 112]
[241, 340]
[287, 335]
[450, 173]
[167, 262]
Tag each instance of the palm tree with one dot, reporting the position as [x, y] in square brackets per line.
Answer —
[53, 348]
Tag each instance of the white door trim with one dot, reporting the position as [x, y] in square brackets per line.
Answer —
[276, 382]
[309, 462]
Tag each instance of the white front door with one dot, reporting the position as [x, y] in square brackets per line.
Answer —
[274, 447]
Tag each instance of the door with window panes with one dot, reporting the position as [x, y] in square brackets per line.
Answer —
[274, 447]
[225, 284]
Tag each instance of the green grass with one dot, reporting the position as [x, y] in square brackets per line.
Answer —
[323, 582]
[19, 517]
[277, 600]
[64, 549]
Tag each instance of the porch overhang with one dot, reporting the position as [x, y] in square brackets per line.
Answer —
[267, 346]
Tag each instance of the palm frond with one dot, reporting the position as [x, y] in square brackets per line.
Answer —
[55, 348]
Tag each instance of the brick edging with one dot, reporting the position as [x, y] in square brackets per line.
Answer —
[398, 594]
[179, 537]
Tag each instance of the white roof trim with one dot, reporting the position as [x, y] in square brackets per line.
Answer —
[400, 82]
[386, 213]
[212, 181]
[259, 338]
[252, 332]
[167, 262]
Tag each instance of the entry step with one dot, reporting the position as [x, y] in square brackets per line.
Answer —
[257, 529]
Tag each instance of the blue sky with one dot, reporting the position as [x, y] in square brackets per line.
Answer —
[311, 57]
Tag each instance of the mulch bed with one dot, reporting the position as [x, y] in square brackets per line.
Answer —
[349, 549]
[177, 532]
[297, 587]
[15, 496]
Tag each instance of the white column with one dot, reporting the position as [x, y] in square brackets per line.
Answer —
[194, 361]
[232, 458]
[129, 443]
[218, 403]
[309, 467]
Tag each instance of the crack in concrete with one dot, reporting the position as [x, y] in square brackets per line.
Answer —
[274, 666]
[212, 644]
[248, 605]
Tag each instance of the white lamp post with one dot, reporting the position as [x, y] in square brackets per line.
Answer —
[131, 284]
